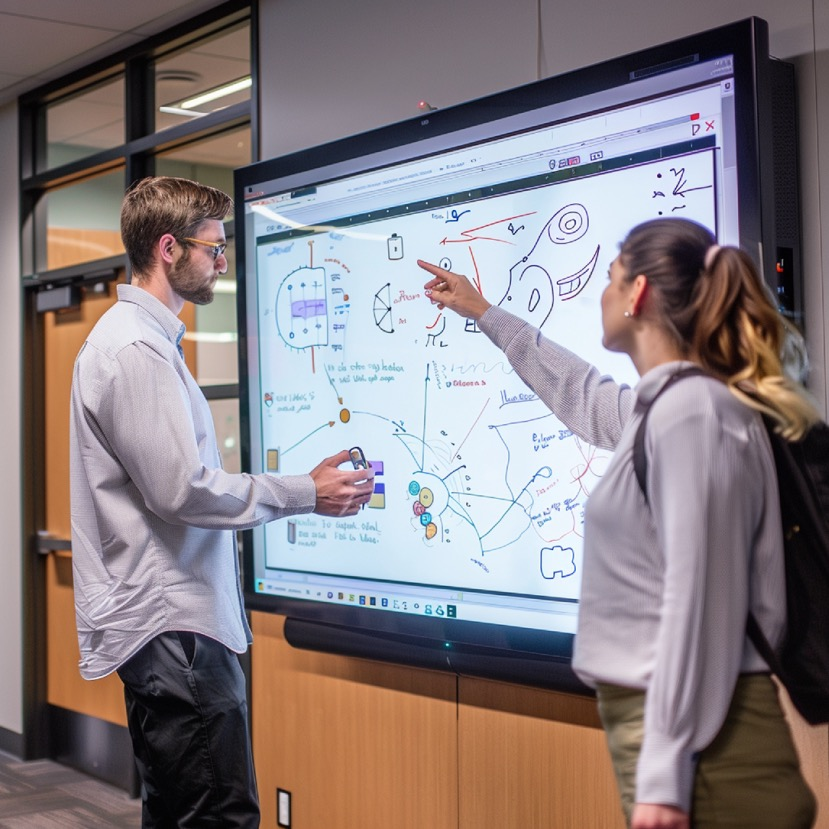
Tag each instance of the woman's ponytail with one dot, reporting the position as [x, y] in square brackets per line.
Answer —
[740, 336]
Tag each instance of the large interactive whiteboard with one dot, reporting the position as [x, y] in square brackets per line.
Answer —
[477, 515]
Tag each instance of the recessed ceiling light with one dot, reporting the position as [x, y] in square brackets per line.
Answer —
[217, 92]
[177, 76]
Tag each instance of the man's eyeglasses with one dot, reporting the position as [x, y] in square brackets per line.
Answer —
[218, 247]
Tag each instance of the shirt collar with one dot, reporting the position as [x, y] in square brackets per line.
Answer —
[172, 326]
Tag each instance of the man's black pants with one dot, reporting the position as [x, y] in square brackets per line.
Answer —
[188, 719]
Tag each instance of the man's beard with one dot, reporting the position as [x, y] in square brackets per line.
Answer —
[190, 284]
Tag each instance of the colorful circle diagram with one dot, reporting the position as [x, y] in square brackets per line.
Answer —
[431, 497]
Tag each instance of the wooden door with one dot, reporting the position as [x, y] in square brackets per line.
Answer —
[63, 333]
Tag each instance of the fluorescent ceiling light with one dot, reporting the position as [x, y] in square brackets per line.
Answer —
[179, 111]
[217, 92]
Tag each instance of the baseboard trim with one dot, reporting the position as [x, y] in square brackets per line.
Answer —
[11, 742]
[96, 747]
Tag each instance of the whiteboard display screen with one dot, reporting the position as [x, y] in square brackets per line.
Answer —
[474, 534]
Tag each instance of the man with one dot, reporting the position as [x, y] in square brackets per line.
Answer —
[157, 592]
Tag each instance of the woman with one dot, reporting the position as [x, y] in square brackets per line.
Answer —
[693, 722]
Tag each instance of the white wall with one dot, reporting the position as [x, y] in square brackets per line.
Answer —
[335, 69]
[11, 628]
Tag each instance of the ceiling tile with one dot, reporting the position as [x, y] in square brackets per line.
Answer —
[40, 42]
[105, 14]
[32, 46]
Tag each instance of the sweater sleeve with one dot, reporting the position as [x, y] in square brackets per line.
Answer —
[590, 404]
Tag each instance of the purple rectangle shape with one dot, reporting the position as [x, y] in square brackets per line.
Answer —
[306, 308]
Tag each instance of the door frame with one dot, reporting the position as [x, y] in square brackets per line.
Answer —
[47, 730]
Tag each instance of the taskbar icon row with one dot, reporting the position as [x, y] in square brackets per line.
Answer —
[425, 608]
[415, 605]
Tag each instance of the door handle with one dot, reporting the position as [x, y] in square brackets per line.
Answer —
[47, 543]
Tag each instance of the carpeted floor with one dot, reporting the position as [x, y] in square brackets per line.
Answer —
[42, 794]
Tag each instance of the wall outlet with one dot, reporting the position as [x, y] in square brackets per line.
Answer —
[283, 808]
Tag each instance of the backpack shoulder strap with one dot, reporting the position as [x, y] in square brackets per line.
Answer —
[762, 645]
[640, 460]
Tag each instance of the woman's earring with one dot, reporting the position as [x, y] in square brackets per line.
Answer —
[628, 314]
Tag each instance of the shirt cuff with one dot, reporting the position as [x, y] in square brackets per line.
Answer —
[665, 773]
[294, 494]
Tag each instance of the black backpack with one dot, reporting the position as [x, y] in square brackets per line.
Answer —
[802, 660]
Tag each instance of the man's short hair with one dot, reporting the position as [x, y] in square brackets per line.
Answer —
[162, 204]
